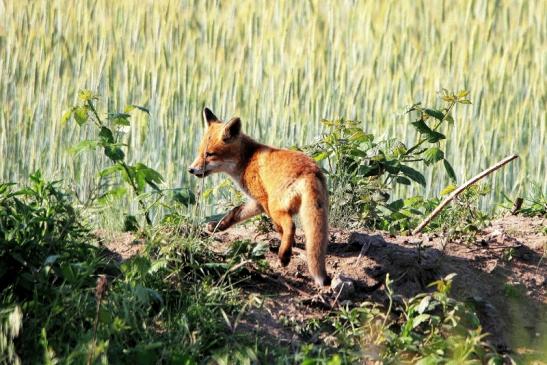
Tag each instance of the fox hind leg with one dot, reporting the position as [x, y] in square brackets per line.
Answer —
[285, 222]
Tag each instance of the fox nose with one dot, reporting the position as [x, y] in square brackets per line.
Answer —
[192, 170]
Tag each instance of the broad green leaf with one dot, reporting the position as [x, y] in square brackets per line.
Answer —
[114, 193]
[81, 115]
[66, 116]
[145, 175]
[320, 156]
[424, 303]
[419, 319]
[150, 174]
[449, 119]
[413, 174]
[369, 170]
[84, 146]
[429, 360]
[106, 135]
[437, 114]
[111, 170]
[421, 127]
[432, 155]
[361, 136]
[396, 205]
[114, 153]
[464, 101]
[119, 118]
[357, 152]
[431, 135]
[435, 137]
[392, 166]
[402, 180]
[185, 197]
[449, 170]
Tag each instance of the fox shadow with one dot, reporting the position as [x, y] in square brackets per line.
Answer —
[481, 282]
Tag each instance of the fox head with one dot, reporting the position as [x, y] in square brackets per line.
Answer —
[219, 150]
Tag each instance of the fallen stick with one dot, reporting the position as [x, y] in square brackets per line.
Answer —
[456, 192]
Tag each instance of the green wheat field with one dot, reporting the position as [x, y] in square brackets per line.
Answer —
[283, 66]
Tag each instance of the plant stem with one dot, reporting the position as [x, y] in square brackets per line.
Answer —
[422, 141]
[130, 178]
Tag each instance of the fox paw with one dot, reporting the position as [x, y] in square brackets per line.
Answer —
[285, 257]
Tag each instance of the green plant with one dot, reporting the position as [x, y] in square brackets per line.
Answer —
[462, 219]
[169, 304]
[534, 202]
[430, 328]
[110, 138]
[41, 237]
[46, 262]
[362, 171]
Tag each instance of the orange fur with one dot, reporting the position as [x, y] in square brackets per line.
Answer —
[279, 182]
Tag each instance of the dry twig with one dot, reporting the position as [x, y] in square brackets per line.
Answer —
[456, 192]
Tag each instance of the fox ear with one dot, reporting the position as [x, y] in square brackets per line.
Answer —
[209, 117]
[231, 129]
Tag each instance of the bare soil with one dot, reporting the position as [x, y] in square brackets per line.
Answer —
[503, 276]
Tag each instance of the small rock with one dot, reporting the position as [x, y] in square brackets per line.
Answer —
[343, 287]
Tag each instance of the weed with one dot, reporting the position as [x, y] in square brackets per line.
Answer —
[462, 220]
[535, 202]
[363, 171]
[110, 138]
[430, 328]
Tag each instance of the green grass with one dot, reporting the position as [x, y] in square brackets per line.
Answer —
[282, 66]
[179, 302]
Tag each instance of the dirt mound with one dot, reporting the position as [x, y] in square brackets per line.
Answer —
[503, 276]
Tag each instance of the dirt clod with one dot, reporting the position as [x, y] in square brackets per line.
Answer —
[343, 287]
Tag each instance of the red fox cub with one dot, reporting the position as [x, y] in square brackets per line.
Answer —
[279, 182]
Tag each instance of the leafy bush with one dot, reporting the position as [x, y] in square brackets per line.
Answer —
[167, 305]
[46, 263]
[362, 171]
[42, 239]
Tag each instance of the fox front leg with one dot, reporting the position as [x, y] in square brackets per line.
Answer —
[236, 215]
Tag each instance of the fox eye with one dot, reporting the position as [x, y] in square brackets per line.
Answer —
[209, 154]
